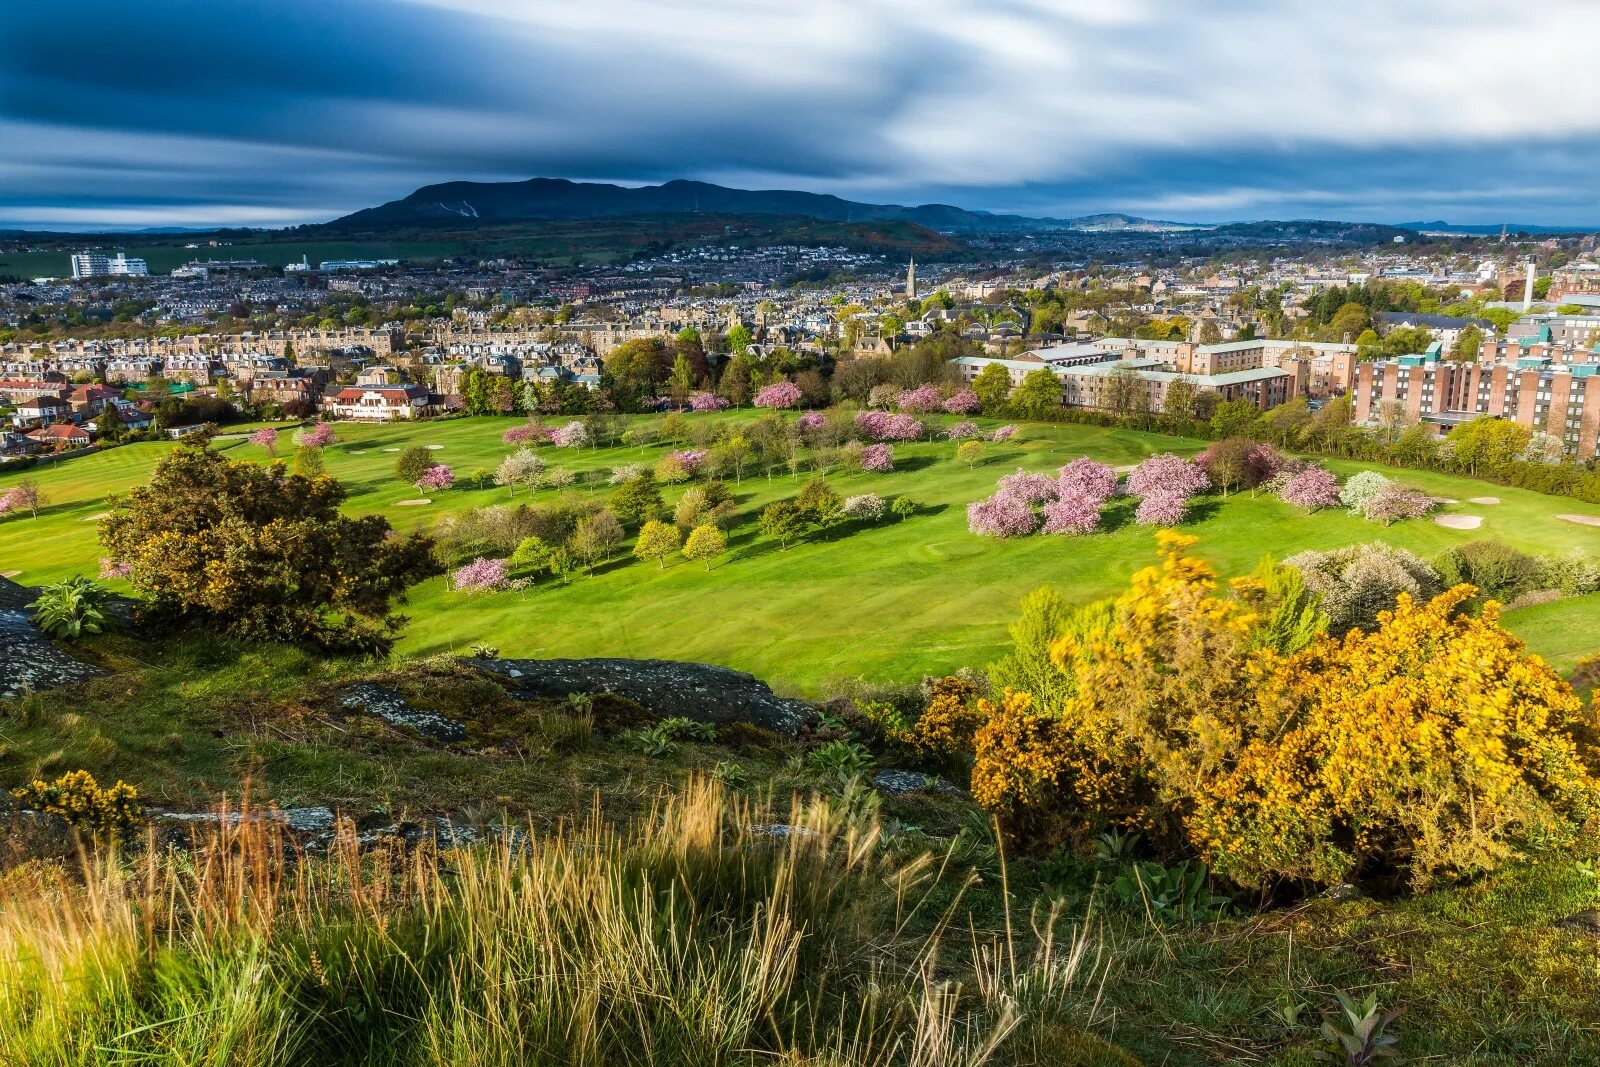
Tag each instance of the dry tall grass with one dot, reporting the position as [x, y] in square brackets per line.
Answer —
[692, 937]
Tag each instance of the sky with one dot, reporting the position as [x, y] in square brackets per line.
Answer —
[139, 113]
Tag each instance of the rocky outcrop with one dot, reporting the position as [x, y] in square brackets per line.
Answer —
[900, 782]
[668, 688]
[388, 705]
[29, 660]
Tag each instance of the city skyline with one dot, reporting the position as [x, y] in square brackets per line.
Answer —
[199, 115]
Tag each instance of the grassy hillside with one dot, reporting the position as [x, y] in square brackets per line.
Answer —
[890, 602]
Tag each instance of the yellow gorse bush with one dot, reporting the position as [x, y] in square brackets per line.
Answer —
[77, 798]
[1434, 746]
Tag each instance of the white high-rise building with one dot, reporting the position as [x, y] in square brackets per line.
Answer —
[90, 265]
[96, 265]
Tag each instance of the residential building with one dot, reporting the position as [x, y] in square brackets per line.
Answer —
[1560, 399]
[381, 403]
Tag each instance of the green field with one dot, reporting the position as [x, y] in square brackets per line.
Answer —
[888, 603]
[163, 257]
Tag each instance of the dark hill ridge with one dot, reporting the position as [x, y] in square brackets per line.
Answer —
[557, 198]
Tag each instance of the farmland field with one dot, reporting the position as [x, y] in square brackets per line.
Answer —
[888, 602]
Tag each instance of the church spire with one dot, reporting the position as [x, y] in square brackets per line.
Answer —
[911, 279]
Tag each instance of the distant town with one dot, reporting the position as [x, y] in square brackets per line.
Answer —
[1410, 335]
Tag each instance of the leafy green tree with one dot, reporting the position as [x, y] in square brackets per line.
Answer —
[705, 543]
[1125, 393]
[738, 339]
[596, 537]
[783, 521]
[1467, 345]
[636, 500]
[1487, 443]
[259, 554]
[657, 541]
[993, 386]
[970, 452]
[1039, 394]
[1234, 418]
[308, 462]
[818, 502]
[902, 507]
[737, 382]
[412, 464]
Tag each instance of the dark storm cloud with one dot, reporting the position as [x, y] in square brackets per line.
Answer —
[256, 112]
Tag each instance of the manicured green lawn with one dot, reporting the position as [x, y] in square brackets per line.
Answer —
[888, 603]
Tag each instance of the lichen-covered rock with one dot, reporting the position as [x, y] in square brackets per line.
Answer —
[394, 709]
[29, 660]
[669, 688]
[894, 780]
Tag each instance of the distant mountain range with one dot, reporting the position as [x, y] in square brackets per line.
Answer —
[488, 203]
[1440, 226]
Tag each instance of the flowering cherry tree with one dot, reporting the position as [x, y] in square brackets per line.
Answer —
[480, 576]
[1029, 487]
[266, 438]
[706, 402]
[922, 400]
[1167, 475]
[961, 431]
[1004, 433]
[963, 402]
[572, 435]
[1395, 503]
[884, 426]
[526, 434]
[781, 395]
[1085, 478]
[319, 436]
[1313, 488]
[1161, 509]
[868, 507]
[1002, 515]
[811, 420]
[1075, 512]
[879, 459]
[438, 476]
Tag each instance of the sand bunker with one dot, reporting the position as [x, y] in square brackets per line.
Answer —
[96, 517]
[412, 503]
[436, 447]
[1459, 522]
[9, 574]
[1485, 500]
[1445, 500]
[1581, 520]
[391, 450]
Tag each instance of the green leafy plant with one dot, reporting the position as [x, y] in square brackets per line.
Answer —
[485, 652]
[730, 774]
[1359, 1033]
[680, 728]
[1169, 894]
[1115, 846]
[841, 759]
[70, 609]
[653, 741]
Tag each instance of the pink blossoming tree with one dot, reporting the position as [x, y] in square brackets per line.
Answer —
[319, 436]
[780, 395]
[922, 400]
[437, 476]
[961, 431]
[1311, 489]
[480, 576]
[266, 438]
[963, 402]
[879, 459]
[1002, 515]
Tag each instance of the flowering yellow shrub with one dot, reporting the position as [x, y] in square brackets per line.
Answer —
[78, 798]
[948, 723]
[1434, 745]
